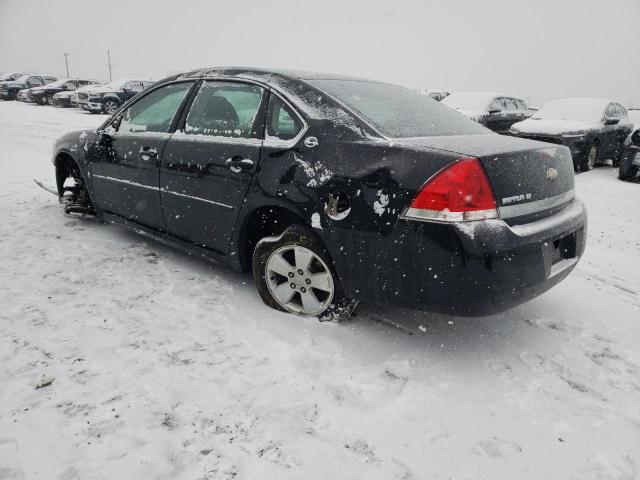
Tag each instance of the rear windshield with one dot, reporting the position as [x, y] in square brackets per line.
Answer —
[398, 112]
[583, 109]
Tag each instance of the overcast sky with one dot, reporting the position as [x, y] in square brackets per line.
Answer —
[540, 49]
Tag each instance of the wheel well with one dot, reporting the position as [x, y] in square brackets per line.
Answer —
[263, 222]
[64, 164]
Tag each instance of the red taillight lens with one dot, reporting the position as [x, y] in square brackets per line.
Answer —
[460, 192]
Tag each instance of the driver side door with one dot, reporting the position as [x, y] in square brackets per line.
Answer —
[125, 166]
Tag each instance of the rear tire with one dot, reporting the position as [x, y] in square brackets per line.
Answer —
[293, 273]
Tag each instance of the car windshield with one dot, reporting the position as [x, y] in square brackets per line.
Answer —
[469, 100]
[582, 109]
[398, 112]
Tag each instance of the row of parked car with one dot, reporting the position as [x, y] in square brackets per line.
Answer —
[94, 96]
[594, 129]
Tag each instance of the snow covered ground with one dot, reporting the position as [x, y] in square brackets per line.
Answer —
[123, 359]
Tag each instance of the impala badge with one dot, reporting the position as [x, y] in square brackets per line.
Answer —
[552, 173]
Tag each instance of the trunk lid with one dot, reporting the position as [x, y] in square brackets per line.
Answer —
[530, 179]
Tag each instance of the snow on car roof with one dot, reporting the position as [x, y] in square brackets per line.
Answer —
[470, 100]
[584, 109]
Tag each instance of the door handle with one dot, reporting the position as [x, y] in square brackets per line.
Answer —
[236, 164]
[147, 153]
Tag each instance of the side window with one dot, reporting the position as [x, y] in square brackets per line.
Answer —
[69, 85]
[154, 112]
[35, 81]
[521, 104]
[225, 109]
[282, 122]
[622, 113]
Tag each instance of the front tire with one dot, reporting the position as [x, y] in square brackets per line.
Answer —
[293, 273]
[110, 106]
[50, 100]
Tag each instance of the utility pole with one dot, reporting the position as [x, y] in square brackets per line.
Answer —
[109, 60]
[66, 62]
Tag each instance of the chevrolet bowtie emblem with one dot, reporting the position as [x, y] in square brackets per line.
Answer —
[552, 173]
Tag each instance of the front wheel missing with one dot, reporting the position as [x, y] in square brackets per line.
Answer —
[72, 190]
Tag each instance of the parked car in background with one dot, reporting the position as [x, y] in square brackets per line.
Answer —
[438, 95]
[23, 95]
[9, 76]
[332, 190]
[594, 129]
[44, 94]
[80, 96]
[495, 111]
[109, 97]
[9, 89]
[630, 160]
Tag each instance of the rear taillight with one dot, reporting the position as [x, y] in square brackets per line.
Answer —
[460, 192]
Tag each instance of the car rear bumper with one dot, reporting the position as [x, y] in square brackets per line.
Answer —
[467, 269]
[579, 145]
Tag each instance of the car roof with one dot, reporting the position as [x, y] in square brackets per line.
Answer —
[262, 72]
[489, 94]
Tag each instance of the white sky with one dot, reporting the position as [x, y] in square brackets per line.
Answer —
[540, 49]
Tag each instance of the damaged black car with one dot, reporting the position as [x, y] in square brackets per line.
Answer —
[332, 190]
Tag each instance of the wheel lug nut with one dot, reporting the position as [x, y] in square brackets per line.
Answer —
[292, 285]
[303, 290]
[291, 274]
[300, 272]
[308, 281]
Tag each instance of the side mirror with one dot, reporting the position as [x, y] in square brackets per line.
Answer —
[611, 121]
[494, 110]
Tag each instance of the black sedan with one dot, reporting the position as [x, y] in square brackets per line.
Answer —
[493, 110]
[594, 129]
[332, 190]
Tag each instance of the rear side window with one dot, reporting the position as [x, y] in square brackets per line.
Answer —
[154, 112]
[225, 109]
[398, 112]
[282, 122]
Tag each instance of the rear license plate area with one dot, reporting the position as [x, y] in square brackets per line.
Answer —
[563, 248]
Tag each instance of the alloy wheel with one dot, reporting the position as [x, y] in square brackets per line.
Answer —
[299, 280]
[110, 107]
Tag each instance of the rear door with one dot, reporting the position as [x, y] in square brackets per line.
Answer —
[210, 162]
[125, 168]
